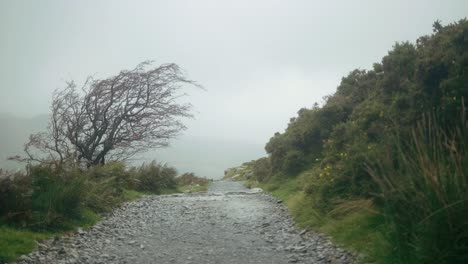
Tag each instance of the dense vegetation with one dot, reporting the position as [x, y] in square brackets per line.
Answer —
[74, 171]
[46, 200]
[382, 164]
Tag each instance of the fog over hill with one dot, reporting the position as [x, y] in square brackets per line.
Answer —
[205, 156]
[14, 133]
[259, 61]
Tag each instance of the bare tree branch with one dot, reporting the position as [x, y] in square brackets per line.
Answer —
[113, 118]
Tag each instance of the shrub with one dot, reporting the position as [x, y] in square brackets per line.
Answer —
[425, 194]
[105, 185]
[49, 197]
[190, 179]
[56, 195]
[421, 182]
[15, 197]
[294, 162]
[155, 177]
[262, 169]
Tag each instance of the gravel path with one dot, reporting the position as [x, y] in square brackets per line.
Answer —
[228, 224]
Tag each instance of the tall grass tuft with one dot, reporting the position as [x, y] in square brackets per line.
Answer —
[47, 198]
[155, 177]
[105, 186]
[425, 194]
[15, 197]
[55, 197]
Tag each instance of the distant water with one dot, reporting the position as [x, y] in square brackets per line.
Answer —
[206, 157]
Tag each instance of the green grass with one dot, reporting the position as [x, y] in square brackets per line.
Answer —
[88, 218]
[53, 201]
[422, 198]
[131, 195]
[360, 231]
[281, 189]
[15, 242]
[425, 193]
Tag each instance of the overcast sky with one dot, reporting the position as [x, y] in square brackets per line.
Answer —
[259, 60]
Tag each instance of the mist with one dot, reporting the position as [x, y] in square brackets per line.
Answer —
[258, 61]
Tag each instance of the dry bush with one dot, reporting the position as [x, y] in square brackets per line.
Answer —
[191, 179]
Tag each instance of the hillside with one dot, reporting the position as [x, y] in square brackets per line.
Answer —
[382, 165]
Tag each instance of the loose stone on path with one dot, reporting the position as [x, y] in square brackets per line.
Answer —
[228, 224]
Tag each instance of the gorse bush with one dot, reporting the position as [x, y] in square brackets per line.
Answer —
[425, 193]
[417, 181]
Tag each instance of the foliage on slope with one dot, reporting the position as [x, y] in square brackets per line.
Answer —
[390, 142]
[49, 200]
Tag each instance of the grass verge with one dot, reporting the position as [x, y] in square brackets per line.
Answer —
[15, 242]
[51, 201]
[360, 230]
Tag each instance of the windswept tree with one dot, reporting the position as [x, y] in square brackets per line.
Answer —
[113, 118]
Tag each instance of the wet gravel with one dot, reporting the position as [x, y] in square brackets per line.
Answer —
[228, 224]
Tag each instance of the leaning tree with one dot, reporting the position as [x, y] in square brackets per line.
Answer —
[113, 118]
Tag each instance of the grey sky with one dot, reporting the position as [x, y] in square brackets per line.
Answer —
[260, 61]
